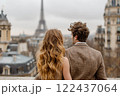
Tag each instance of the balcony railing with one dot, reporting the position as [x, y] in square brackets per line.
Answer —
[32, 78]
[112, 14]
[108, 6]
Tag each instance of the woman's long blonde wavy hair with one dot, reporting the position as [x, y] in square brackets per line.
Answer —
[49, 56]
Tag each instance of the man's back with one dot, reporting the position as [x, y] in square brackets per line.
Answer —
[86, 63]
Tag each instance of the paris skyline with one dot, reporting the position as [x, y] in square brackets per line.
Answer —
[24, 15]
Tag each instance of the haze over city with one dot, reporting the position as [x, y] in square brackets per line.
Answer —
[25, 14]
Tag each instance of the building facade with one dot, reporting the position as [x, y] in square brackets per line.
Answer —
[5, 28]
[100, 38]
[14, 64]
[112, 27]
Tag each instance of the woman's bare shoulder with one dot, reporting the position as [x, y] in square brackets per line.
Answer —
[64, 59]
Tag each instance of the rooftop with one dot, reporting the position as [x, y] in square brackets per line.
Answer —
[3, 19]
[14, 58]
[2, 16]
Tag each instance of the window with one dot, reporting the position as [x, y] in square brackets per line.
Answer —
[110, 3]
[118, 29]
[118, 45]
[108, 11]
[108, 22]
[108, 30]
[113, 2]
[0, 34]
[6, 71]
[28, 66]
[108, 45]
[7, 34]
[108, 38]
[118, 54]
[118, 20]
[118, 38]
[118, 2]
[20, 70]
[37, 41]
[0, 50]
[118, 10]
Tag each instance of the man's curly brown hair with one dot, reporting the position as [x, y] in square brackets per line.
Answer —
[80, 30]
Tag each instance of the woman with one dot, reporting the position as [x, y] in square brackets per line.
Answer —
[51, 63]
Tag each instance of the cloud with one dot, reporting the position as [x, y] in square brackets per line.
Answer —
[79, 9]
[25, 14]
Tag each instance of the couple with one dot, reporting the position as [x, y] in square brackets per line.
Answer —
[80, 62]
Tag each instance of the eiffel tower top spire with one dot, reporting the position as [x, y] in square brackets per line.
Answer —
[42, 10]
[42, 23]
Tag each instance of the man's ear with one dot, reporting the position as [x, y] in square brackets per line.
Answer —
[76, 37]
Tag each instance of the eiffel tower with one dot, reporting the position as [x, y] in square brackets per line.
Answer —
[42, 23]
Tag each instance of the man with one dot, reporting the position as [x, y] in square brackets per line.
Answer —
[86, 63]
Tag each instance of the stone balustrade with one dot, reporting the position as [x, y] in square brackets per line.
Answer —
[32, 78]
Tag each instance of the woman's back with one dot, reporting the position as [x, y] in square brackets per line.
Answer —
[49, 56]
[64, 72]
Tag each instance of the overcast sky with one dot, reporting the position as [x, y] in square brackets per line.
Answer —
[24, 14]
